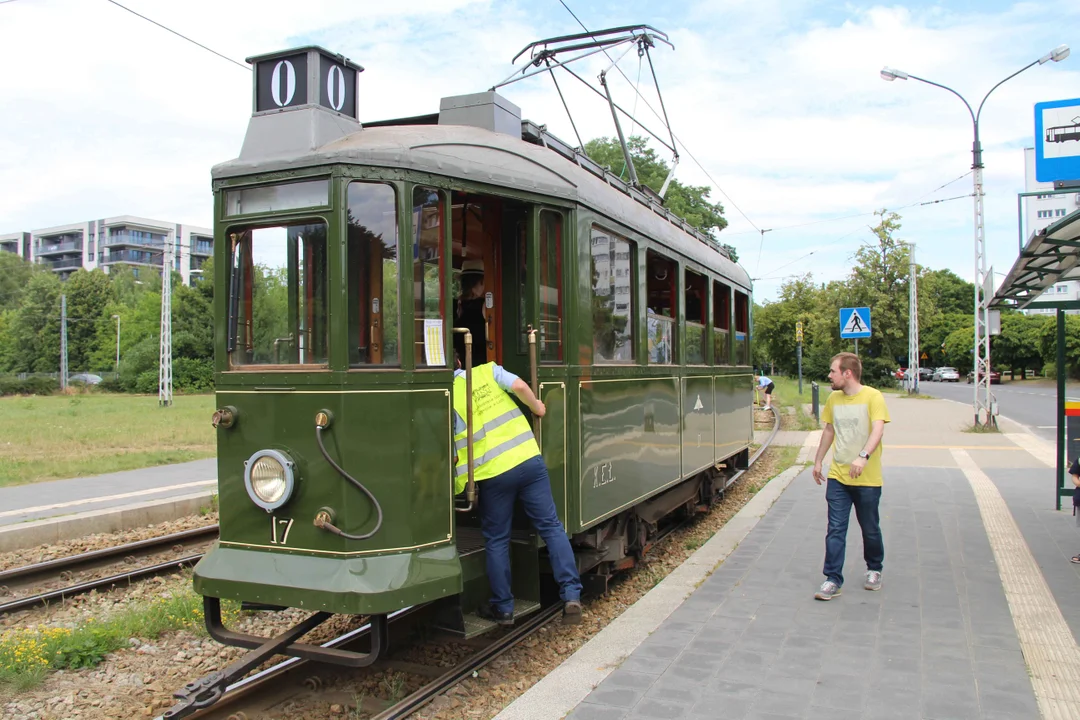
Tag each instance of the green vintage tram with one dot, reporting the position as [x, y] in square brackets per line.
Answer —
[337, 254]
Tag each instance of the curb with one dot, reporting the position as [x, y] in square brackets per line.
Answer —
[566, 686]
[53, 530]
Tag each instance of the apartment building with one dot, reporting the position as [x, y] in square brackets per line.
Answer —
[1040, 211]
[138, 242]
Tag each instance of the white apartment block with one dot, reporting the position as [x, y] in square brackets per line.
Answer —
[138, 242]
[1040, 211]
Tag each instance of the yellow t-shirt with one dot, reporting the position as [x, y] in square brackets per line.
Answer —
[851, 417]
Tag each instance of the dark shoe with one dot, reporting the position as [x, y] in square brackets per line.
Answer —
[489, 613]
[1075, 559]
[571, 614]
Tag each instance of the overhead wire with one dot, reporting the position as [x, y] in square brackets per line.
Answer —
[674, 137]
[180, 35]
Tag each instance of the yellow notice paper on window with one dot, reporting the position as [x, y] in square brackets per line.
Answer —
[433, 341]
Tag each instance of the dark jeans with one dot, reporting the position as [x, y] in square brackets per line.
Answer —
[865, 499]
[529, 482]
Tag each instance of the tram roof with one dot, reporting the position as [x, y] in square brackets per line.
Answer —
[479, 155]
[1050, 255]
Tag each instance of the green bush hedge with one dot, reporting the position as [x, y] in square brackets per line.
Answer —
[29, 386]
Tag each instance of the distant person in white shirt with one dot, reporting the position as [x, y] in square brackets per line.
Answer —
[766, 385]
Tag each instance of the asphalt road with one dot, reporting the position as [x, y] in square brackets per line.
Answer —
[1029, 403]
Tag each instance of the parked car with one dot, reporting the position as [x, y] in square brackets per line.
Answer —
[900, 373]
[84, 378]
[995, 377]
[947, 374]
[926, 373]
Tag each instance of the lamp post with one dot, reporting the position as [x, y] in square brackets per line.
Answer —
[982, 286]
[117, 319]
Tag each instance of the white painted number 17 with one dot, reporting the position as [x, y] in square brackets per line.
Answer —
[275, 523]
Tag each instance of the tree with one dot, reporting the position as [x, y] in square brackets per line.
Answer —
[879, 280]
[690, 202]
[15, 274]
[32, 331]
[774, 322]
[89, 294]
[1017, 347]
[947, 292]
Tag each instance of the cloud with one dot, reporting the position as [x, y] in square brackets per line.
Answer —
[780, 102]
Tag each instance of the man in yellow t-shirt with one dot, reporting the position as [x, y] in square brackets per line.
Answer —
[854, 417]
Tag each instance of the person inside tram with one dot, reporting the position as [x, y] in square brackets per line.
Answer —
[469, 311]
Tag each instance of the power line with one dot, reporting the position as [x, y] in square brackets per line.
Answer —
[863, 214]
[673, 135]
[180, 35]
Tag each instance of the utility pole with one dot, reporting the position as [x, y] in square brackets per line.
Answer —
[913, 324]
[117, 319]
[63, 343]
[798, 352]
[165, 356]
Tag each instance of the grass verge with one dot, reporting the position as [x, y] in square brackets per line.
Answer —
[66, 436]
[981, 429]
[28, 654]
[787, 395]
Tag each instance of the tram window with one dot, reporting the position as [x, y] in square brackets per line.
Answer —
[612, 298]
[721, 324]
[272, 198]
[278, 313]
[695, 297]
[373, 275]
[661, 294]
[551, 301]
[428, 301]
[742, 329]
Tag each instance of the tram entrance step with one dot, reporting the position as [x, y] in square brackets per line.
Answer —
[470, 540]
[476, 625]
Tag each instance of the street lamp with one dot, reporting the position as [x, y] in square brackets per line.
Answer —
[982, 305]
[117, 319]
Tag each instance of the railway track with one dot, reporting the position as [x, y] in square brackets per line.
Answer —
[241, 699]
[68, 568]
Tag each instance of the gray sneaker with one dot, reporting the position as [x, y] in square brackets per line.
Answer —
[873, 580]
[828, 591]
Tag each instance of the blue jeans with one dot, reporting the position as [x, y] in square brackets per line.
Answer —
[840, 498]
[529, 482]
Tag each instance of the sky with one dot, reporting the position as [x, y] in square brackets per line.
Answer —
[778, 105]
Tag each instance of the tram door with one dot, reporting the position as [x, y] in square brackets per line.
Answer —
[532, 298]
[519, 249]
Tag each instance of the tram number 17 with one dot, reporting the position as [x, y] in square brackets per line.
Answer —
[280, 526]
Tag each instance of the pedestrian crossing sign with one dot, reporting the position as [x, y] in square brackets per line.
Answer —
[855, 322]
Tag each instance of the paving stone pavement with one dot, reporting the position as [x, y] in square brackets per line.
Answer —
[936, 643]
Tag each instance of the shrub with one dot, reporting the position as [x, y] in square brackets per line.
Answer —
[110, 385]
[191, 375]
[29, 386]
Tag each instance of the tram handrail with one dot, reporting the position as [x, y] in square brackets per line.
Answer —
[470, 484]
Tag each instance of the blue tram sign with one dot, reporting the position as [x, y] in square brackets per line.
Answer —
[854, 323]
[1057, 140]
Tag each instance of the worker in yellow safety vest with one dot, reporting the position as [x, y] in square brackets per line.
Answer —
[507, 460]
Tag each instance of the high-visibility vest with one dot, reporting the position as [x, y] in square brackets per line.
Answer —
[502, 438]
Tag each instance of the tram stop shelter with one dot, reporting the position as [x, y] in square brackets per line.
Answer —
[1049, 256]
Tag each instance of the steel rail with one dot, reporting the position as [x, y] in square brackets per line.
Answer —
[271, 675]
[46, 597]
[463, 670]
[65, 563]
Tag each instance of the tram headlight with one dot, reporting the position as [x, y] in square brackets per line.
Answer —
[269, 478]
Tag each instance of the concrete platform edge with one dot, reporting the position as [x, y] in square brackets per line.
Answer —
[564, 688]
[126, 517]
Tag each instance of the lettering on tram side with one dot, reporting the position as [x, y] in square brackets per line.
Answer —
[285, 525]
[602, 475]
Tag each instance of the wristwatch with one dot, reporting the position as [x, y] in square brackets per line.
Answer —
[864, 455]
